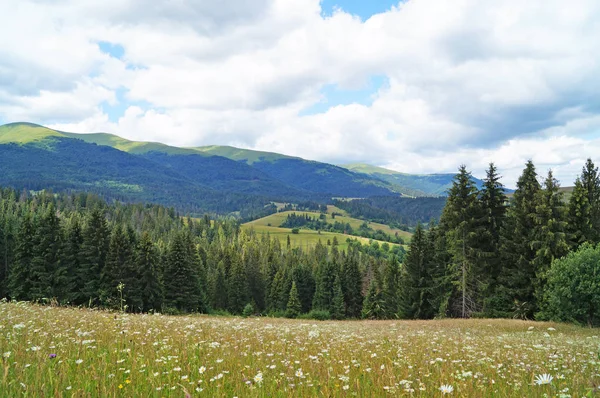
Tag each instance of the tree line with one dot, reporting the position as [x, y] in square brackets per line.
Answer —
[493, 256]
[78, 250]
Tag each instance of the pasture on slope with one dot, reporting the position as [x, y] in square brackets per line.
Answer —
[48, 351]
[271, 224]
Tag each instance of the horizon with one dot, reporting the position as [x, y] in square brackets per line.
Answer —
[385, 83]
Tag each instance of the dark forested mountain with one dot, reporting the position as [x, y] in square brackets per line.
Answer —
[216, 179]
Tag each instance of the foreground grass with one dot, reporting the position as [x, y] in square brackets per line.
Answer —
[69, 352]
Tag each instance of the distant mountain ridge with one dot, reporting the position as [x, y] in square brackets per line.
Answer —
[213, 178]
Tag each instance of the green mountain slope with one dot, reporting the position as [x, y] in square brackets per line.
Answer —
[411, 184]
[247, 155]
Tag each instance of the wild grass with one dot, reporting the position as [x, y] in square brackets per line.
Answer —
[61, 352]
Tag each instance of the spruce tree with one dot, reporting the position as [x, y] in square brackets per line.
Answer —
[337, 309]
[580, 223]
[219, 299]
[373, 306]
[391, 280]
[70, 257]
[591, 184]
[181, 283]
[416, 281]
[352, 284]
[47, 279]
[118, 263]
[150, 283]
[94, 250]
[19, 281]
[293, 306]
[238, 295]
[515, 292]
[462, 220]
[493, 207]
[550, 241]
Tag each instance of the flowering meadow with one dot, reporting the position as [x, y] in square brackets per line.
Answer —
[64, 352]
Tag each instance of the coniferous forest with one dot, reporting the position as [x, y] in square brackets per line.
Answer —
[532, 255]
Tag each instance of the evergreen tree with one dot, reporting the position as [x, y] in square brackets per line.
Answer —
[373, 306]
[580, 222]
[181, 283]
[70, 257]
[337, 309]
[305, 284]
[591, 184]
[324, 285]
[150, 283]
[293, 306]
[416, 281]
[550, 241]
[19, 282]
[462, 220]
[515, 291]
[238, 295]
[493, 207]
[47, 279]
[118, 262]
[219, 300]
[391, 280]
[352, 284]
[94, 250]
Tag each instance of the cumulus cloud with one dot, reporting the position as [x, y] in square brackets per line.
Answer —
[467, 81]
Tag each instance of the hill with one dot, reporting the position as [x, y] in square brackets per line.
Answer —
[410, 184]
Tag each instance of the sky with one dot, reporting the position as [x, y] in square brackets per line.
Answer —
[418, 86]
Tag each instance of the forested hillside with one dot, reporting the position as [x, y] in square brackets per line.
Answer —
[77, 250]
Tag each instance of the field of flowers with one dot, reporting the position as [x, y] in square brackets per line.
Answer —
[72, 352]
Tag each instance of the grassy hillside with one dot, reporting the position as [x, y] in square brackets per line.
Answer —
[278, 218]
[246, 155]
[25, 133]
[305, 238]
[414, 184]
[69, 352]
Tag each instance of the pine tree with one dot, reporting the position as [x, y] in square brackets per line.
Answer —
[493, 206]
[416, 281]
[293, 306]
[337, 309]
[118, 264]
[70, 257]
[515, 291]
[391, 280]
[352, 284]
[324, 285]
[550, 240]
[591, 184]
[94, 250]
[373, 306]
[150, 283]
[462, 221]
[181, 284]
[47, 280]
[19, 281]
[580, 223]
[219, 300]
[238, 295]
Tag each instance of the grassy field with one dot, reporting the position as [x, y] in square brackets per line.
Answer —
[305, 238]
[275, 220]
[59, 352]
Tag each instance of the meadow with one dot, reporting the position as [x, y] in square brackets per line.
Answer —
[307, 238]
[66, 352]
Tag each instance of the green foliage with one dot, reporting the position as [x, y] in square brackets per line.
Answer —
[248, 310]
[293, 307]
[572, 290]
[338, 309]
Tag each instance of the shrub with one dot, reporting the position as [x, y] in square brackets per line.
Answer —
[572, 291]
[248, 310]
[319, 315]
[295, 230]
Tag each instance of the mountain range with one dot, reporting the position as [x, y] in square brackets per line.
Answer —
[219, 179]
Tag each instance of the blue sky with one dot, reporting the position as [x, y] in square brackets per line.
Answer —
[362, 8]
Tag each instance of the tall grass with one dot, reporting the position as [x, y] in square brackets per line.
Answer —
[65, 352]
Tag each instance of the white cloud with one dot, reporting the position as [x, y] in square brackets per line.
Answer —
[468, 81]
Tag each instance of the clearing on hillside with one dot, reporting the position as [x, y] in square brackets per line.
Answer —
[58, 352]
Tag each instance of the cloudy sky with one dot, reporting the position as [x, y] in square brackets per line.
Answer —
[416, 86]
